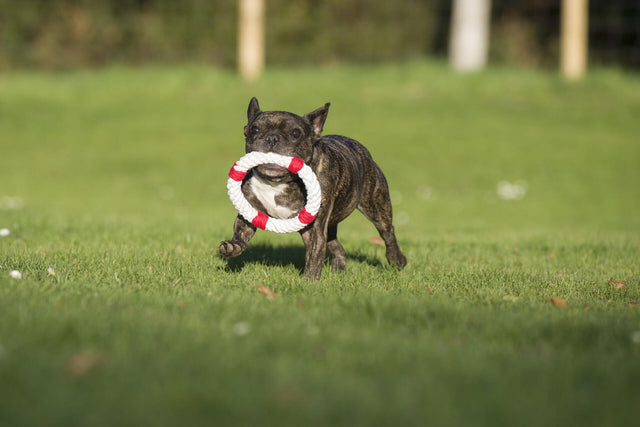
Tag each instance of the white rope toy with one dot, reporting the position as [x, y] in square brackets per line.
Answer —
[261, 220]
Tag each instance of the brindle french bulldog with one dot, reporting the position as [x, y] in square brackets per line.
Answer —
[348, 177]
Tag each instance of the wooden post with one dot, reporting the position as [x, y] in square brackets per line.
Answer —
[469, 39]
[250, 38]
[574, 40]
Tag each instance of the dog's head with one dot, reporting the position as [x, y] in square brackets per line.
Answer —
[283, 133]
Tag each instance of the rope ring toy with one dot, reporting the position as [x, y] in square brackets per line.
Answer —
[261, 220]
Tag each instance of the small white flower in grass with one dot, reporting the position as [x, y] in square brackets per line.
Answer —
[16, 274]
[4, 232]
[51, 271]
[509, 191]
[241, 328]
[635, 337]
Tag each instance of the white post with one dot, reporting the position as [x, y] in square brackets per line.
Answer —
[250, 38]
[469, 39]
[574, 39]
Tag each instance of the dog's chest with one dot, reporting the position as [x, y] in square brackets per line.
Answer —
[267, 192]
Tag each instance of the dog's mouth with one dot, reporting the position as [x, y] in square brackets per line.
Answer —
[271, 170]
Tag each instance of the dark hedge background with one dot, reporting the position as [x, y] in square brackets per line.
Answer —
[70, 33]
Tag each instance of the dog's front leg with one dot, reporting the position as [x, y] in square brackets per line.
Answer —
[315, 243]
[243, 231]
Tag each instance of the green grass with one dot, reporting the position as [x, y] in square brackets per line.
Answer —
[121, 173]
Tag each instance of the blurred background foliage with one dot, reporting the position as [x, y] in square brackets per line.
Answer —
[59, 34]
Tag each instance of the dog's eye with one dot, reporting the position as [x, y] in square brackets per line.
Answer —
[255, 130]
[296, 133]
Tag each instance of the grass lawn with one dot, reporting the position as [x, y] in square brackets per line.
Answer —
[517, 203]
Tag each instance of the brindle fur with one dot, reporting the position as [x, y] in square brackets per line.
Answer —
[348, 177]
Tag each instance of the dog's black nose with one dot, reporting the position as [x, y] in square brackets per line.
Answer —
[272, 139]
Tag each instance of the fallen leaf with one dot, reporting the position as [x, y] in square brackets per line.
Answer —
[430, 289]
[81, 363]
[585, 307]
[558, 302]
[266, 291]
[633, 304]
[551, 255]
[617, 285]
[562, 275]
[376, 240]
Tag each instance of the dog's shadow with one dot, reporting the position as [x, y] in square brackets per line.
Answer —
[286, 255]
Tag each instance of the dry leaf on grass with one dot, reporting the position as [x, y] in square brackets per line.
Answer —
[558, 302]
[617, 285]
[376, 240]
[266, 291]
[83, 362]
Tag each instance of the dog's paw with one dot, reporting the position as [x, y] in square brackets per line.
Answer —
[339, 263]
[230, 248]
[397, 259]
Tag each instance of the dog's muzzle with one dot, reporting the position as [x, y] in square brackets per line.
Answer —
[271, 170]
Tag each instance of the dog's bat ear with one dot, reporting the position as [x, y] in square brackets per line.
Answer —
[254, 109]
[317, 117]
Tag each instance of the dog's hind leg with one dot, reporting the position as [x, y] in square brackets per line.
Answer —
[338, 255]
[375, 205]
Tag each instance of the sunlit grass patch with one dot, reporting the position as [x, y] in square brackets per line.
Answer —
[515, 198]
